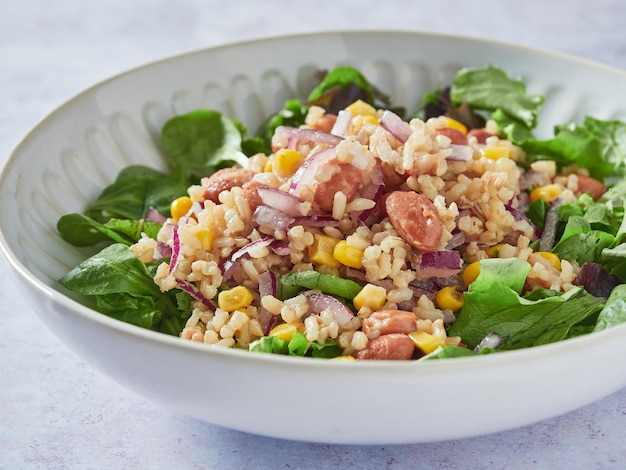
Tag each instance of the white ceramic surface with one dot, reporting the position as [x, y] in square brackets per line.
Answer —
[79, 148]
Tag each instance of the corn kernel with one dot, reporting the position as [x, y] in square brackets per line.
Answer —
[361, 108]
[268, 167]
[493, 251]
[348, 255]
[206, 238]
[321, 251]
[234, 299]
[547, 193]
[371, 296]
[471, 273]
[285, 331]
[286, 162]
[449, 298]
[343, 358]
[426, 342]
[495, 153]
[179, 207]
[371, 120]
[454, 124]
[552, 258]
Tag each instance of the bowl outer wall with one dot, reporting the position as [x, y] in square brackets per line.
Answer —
[285, 397]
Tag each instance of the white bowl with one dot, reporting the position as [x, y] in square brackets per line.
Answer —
[66, 160]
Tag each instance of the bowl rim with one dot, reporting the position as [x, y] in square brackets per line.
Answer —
[564, 347]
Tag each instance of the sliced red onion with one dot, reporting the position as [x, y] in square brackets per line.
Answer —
[280, 248]
[519, 215]
[162, 250]
[175, 249]
[197, 207]
[267, 286]
[153, 215]
[292, 135]
[228, 265]
[305, 175]
[195, 293]
[440, 264]
[342, 123]
[277, 220]
[283, 201]
[458, 239]
[548, 237]
[460, 153]
[319, 302]
[491, 341]
[374, 190]
[394, 124]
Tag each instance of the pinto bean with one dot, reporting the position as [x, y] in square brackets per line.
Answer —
[481, 135]
[392, 347]
[587, 184]
[223, 180]
[384, 322]
[251, 194]
[325, 123]
[346, 179]
[455, 135]
[415, 218]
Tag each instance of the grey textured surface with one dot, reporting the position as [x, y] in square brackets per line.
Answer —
[57, 412]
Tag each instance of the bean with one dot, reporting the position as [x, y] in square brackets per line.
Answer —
[587, 184]
[456, 136]
[384, 322]
[392, 347]
[223, 180]
[481, 135]
[415, 218]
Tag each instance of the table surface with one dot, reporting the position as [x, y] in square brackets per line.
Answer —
[56, 411]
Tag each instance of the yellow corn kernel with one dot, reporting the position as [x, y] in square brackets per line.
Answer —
[495, 153]
[321, 251]
[206, 238]
[471, 273]
[348, 255]
[286, 162]
[179, 207]
[552, 258]
[344, 358]
[234, 299]
[454, 124]
[493, 251]
[285, 331]
[371, 296]
[268, 167]
[361, 108]
[371, 120]
[547, 193]
[426, 342]
[449, 298]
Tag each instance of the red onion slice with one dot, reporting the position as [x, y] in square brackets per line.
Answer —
[319, 302]
[283, 201]
[290, 136]
[439, 264]
[305, 175]
[175, 249]
[461, 153]
[318, 221]
[195, 293]
[277, 220]
[153, 215]
[342, 123]
[228, 265]
[268, 285]
[394, 124]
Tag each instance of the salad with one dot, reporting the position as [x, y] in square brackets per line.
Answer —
[348, 227]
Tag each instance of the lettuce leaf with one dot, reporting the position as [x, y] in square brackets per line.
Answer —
[493, 305]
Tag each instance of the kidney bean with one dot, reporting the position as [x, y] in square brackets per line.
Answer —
[384, 322]
[587, 184]
[455, 135]
[223, 180]
[392, 347]
[325, 123]
[481, 135]
[251, 194]
[347, 180]
[415, 218]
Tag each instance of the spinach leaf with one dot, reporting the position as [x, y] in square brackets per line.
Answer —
[80, 230]
[201, 142]
[493, 305]
[537, 211]
[298, 345]
[491, 89]
[339, 79]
